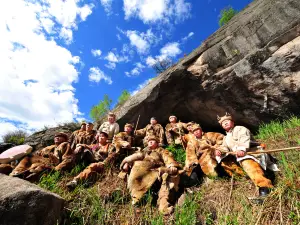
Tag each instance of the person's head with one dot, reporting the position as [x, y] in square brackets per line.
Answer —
[111, 117]
[153, 120]
[102, 137]
[226, 122]
[189, 126]
[83, 126]
[173, 119]
[89, 126]
[152, 142]
[128, 128]
[60, 138]
[197, 131]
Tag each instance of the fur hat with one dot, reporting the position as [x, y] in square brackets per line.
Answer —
[223, 118]
[61, 134]
[83, 123]
[172, 116]
[128, 125]
[90, 123]
[196, 127]
[190, 123]
[152, 137]
[153, 118]
[112, 114]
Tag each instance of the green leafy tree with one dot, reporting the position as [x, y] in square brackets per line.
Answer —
[123, 97]
[99, 111]
[226, 15]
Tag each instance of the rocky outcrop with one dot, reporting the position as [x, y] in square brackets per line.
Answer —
[249, 68]
[24, 203]
[45, 137]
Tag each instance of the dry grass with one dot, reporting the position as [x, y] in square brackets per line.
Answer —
[218, 201]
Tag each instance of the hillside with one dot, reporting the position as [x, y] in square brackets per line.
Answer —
[218, 201]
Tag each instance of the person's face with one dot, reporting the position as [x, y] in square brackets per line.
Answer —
[102, 138]
[227, 125]
[83, 127]
[189, 128]
[58, 140]
[153, 121]
[111, 119]
[128, 129]
[152, 144]
[172, 119]
[198, 133]
[89, 127]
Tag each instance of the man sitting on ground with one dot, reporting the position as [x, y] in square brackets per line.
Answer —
[58, 157]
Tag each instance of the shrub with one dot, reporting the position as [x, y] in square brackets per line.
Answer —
[15, 137]
[226, 15]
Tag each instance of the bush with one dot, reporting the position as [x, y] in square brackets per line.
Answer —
[99, 111]
[123, 97]
[15, 137]
[226, 15]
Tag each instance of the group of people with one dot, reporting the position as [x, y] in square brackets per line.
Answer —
[207, 154]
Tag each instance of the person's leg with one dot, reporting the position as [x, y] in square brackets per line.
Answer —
[169, 184]
[256, 173]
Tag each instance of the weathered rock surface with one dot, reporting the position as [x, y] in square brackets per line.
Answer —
[24, 203]
[249, 68]
[45, 137]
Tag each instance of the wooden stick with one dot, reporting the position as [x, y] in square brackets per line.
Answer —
[137, 122]
[264, 151]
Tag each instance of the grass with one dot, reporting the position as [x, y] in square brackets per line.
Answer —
[109, 202]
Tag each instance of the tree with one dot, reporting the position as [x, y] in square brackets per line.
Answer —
[99, 111]
[123, 97]
[15, 137]
[226, 15]
[160, 65]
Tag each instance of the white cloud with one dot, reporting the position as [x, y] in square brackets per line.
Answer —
[119, 37]
[37, 74]
[140, 86]
[136, 70]
[142, 41]
[96, 75]
[111, 57]
[150, 61]
[66, 34]
[5, 128]
[170, 50]
[152, 11]
[191, 34]
[96, 52]
[107, 6]
[111, 65]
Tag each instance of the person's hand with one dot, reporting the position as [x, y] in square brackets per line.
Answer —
[125, 167]
[173, 170]
[240, 153]
[174, 129]
[218, 152]
[127, 145]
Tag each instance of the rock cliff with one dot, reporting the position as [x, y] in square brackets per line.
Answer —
[250, 68]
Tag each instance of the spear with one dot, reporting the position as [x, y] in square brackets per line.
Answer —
[137, 122]
[259, 151]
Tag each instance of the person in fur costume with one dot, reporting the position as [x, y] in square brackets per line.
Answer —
[146, 167]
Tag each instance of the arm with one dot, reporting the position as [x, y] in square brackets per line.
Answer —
[117, 128]
[132, 158]
[169, 135]
[168, 159]
[244, 137]
[141, 132]
[161, 135]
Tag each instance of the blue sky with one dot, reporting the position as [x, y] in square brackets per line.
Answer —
[61, 57]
